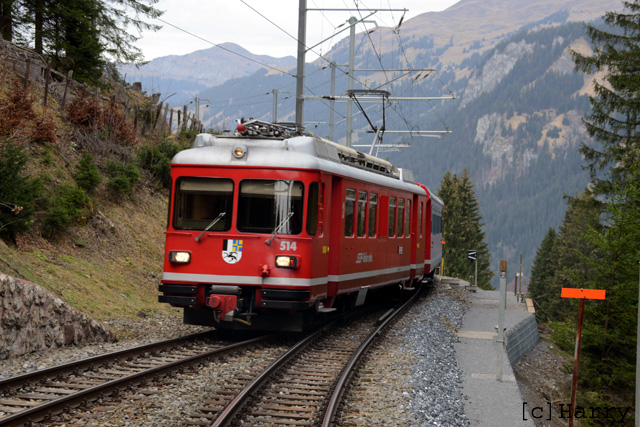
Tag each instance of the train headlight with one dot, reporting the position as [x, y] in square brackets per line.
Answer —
[287, 261]
[239, 151]
[180, 257]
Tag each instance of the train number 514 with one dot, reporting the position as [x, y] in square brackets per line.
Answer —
[286, 245]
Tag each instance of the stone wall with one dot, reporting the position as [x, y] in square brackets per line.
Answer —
[32, 319]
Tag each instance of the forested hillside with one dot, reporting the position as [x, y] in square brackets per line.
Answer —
[597, 246]
[516, 129]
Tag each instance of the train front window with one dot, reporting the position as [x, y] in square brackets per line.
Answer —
[266, 206]
[199, 201]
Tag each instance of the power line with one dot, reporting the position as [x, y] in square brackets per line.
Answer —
[305, 46]
[268, 20]
[224, 48]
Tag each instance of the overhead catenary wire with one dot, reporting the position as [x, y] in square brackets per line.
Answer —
[224, 48]
[389, 82]
[307, 48]
[320, 55]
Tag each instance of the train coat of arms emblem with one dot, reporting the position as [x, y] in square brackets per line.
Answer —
[231, 251]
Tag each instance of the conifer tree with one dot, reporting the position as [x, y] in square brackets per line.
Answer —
[573, 249]
[543, 271]
[82, 35]
[615, 115]
[6, 19]
[610, 360]
[117, 15]
[75, 40]
[471, 228]
[599, 242]
[462, 230]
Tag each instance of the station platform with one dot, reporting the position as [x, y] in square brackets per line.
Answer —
[488, 401]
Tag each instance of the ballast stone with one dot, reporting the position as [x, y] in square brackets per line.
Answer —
[33, 319]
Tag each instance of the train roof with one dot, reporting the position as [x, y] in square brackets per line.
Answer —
[297, 152]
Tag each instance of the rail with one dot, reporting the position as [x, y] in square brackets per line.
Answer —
[343, 381]
[72, 397]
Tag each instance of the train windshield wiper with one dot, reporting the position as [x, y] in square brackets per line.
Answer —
[277, 229]
[211, 224]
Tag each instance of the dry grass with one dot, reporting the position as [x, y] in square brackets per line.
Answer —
[109, 268]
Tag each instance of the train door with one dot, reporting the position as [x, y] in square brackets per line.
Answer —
[436, 233]
[336, 217]
[417, 237]
[319, 229]
[428, 242]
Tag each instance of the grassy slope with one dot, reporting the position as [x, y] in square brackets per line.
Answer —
[110, 267]
[107, 265]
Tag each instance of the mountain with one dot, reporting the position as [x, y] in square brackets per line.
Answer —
[189, 74]
[515, 123]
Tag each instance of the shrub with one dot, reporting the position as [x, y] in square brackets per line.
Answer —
[65, 207]
[87, 175]
[157, 160]
[17, 110]
[18, 193]
[123, 177]
[89, 113]
[85, 112]
[117, 126]
[45, 131]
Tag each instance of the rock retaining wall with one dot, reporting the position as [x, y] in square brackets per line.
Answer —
[32, 319]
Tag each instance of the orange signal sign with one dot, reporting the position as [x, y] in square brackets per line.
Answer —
[583, 293]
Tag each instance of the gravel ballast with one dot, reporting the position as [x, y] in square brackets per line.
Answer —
[410, 377]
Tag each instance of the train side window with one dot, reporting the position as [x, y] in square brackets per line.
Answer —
[349, 211]
[312, 209]
[362, 212]
[268, 205]
[400, 216]
[198, 201]
[407, 219]
[436, 224]
[392, 216]
[373, 209]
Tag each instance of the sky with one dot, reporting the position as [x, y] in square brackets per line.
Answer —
[240, 21]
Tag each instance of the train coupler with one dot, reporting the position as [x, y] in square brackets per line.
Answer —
[224, 306]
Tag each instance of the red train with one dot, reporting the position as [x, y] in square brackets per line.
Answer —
[267, 228]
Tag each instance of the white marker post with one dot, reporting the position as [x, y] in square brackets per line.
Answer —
[501, 313]
[473, 256]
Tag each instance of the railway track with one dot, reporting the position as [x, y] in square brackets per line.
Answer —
[32, 397]
[301, 388]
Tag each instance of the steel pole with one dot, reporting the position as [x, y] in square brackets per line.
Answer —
[274, 115]
[476, 277]
[302, 41]
[576, 363]
[352, 48]
[332, 103]
[501, 315]
[520, 282]
[638, 360]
